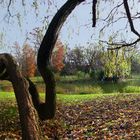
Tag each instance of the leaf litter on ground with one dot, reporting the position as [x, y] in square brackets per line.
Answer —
[108, 118]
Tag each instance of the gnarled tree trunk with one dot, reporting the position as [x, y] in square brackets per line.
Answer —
[27, 113]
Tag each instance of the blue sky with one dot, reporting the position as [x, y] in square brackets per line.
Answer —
[76, 31]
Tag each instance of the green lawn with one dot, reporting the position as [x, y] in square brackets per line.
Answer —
[61, 97]
[66, 98]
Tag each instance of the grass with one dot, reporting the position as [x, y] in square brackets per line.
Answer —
[7, 96]
[74, 99]
[65, 98]
[131, 89]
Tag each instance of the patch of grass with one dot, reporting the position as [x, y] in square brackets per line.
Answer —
[80, 98]
[7, 96]
[65, 98]
[131, 89]
[76, 98]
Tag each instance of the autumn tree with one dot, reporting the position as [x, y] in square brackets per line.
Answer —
[57, 54]
[25, 56]
[28, 65]
[58, 57]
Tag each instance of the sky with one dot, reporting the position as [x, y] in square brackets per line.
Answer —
[77, 30]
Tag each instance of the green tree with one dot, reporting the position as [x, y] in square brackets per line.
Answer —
[117, 64]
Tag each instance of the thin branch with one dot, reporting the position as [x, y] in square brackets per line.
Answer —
[115, 8]
[8, 8]
[23, 2]
[126, 6]
[120, 45]
[110, 23]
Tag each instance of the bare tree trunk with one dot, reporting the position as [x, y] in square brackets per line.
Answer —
[27, 113]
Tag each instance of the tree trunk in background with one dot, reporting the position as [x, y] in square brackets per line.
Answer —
[27, 113]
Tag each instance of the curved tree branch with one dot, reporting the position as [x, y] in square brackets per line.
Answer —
[126, 6]
[47, 109]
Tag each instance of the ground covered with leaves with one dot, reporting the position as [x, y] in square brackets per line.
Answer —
[106, 118]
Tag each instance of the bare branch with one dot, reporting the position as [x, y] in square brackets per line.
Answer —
[110, 23]
[8, 7]
[126, 6]
[120, 45]
[94, 13]
[115, 8]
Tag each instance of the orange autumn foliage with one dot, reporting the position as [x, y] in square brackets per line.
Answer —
[58, 57]
[28, 61]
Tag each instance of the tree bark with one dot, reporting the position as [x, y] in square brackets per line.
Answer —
[27, 113]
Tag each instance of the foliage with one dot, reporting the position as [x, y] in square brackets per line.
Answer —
[117, 64]
[25, 56]
[82, 59]
[135, 64]
[28, 61]
[73, 61]
[98, 62]
[97, 75]
[80, 74]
